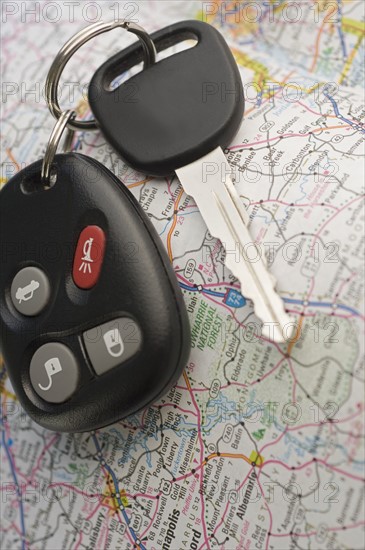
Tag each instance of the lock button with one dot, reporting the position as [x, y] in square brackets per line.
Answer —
[112, 343]
[54, 372]
[88, 257]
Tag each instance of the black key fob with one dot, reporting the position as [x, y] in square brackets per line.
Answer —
[93, 324]
[176, 110]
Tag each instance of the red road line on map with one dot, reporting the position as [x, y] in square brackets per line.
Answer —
[314, 112]
[334, 215]
[310, 425]
[12, 158]
[208, 297]
[169, 182]
[87, 518]
[144, 495]
[268, 373]
[240, 384]
[332, 422]
[10, 528]
[70, 488]
[187, 382]
[269, 512]
[175, 406]
[245, 145]
[274, 442]
[312, 533]
[44, 450]
[317, 44]
[226, 509]
[172, 228]
[343, 284]
[311, 463]
[318, 234]
[294, 204]
[144, 533]
[211, 457]
[313, 314]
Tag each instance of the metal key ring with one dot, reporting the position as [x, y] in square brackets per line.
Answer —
[53, 143]
[68, 50]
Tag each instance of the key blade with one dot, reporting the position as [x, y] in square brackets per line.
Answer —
[209, 182]
[256, 282]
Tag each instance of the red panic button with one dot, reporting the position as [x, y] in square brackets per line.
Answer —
[88, 257]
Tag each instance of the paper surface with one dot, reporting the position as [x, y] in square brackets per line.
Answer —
[220, 460]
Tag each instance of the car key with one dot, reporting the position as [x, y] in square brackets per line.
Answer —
[93, 324]
[175, 116]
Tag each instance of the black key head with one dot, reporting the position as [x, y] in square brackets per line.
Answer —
[176, 110]
[92, 322]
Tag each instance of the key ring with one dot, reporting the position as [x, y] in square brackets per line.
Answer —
[53, 143]
[68, 50]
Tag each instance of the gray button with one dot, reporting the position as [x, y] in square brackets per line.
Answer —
[54, 372]
[112, 343]
[30, 291]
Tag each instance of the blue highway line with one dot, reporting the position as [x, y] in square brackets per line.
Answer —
[205, 290]
[322, 304]
[341, 117]
[13, 472]
[117, 496]
[286, 300]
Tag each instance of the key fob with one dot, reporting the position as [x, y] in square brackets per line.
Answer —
[93, 324]
[175, 111]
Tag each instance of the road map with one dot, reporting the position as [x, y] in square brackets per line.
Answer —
[259, 445]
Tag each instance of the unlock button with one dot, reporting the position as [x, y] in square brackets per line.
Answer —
[54, 372]
[110, 344]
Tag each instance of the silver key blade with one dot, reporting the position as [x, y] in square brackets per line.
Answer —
[208, 181]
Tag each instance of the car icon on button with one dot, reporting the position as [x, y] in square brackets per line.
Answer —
[26, 293]
[30, 290]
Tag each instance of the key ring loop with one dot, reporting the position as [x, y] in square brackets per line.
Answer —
[72, 45]
[53, 143]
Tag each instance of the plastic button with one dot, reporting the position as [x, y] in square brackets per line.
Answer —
[112, 343]
[30, 291]
[54, 372]
[88, 257]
